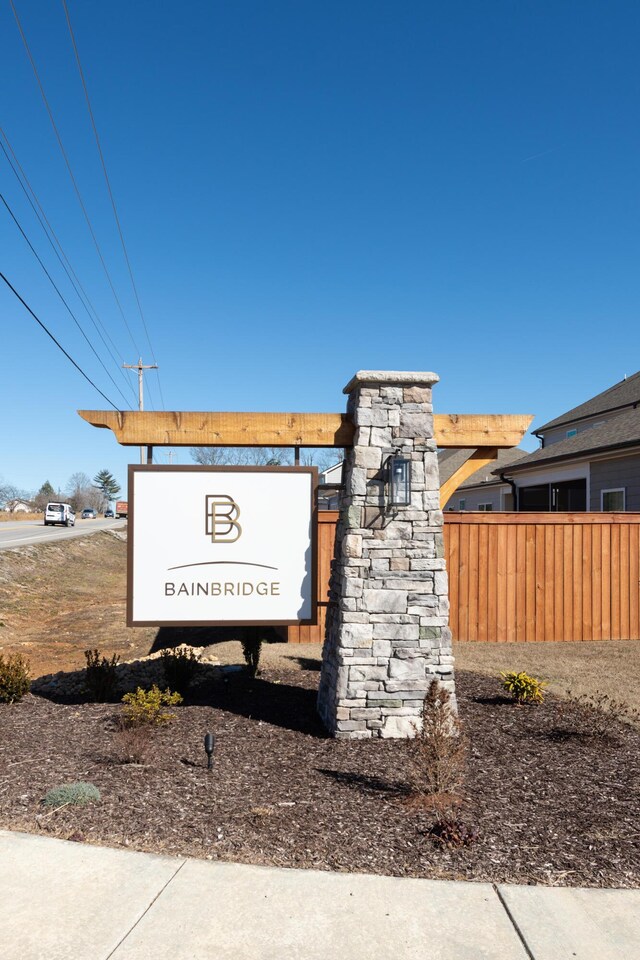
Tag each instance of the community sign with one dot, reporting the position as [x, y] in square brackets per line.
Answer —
[221, 545]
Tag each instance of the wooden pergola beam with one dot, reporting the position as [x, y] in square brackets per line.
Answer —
[192, 429]
[499, 430]
[481, 457]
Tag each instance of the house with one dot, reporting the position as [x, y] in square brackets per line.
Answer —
[17, 506]
[331, 480]
[589, 459]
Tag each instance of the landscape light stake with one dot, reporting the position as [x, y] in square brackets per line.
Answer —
[209, 742]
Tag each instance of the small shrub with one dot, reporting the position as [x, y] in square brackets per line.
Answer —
[251, 642]
[147, 707]
[437, 753]
[77, 794]
[453, 832]
[101, 676]
[15, 678]
[523, 688]
[596, 715]
[180, 667]
[131, 744]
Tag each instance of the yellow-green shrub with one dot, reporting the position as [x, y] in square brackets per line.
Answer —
[147, 706]
[15, 679]
[522, 687]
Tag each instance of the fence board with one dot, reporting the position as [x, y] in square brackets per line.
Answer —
[530, 582]
[501, 591]
[472, 622]
[606, 584]
[577, 583]
[587, 578]
[567, 582]
[624, 582]
[634, 579]
[483, 582]
[596, 582]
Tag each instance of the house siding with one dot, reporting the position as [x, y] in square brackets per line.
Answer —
[560, 433]
[474, 497]
[612, 474]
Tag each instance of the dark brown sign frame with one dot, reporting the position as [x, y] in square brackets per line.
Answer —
[148, 468]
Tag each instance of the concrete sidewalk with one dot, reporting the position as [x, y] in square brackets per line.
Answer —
[62, 900]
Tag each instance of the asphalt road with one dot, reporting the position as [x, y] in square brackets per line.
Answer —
[23, 533]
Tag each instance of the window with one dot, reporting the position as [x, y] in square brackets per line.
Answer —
[462, 504]
[485, 506]
[566, 495]
[572, 433]
[534, 499]
[613, 501]
[570, 495]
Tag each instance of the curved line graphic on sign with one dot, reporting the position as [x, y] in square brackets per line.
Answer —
[222, 563]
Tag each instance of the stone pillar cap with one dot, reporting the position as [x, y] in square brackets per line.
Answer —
[391, 378]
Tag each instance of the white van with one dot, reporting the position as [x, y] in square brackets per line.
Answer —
[59, 513]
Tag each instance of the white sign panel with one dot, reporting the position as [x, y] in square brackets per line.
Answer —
[213, 545]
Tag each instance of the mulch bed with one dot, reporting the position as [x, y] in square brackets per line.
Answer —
[552, 802]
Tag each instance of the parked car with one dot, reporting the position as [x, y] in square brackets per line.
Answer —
[89, 514]
[108, 514]
[61, 513]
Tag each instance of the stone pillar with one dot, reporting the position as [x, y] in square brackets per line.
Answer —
[387, 631]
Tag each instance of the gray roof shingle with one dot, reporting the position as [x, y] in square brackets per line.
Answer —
[623, 394]
[621, 431]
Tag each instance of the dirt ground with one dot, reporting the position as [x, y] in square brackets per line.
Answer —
[610, 667]
[56, 600]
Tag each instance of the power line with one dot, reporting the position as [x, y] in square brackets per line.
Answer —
[58, 345]
[40, 215]
[70, 171]
[49, 232]
[56, 288]
[107, 181]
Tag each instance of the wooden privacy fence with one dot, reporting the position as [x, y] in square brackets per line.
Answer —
[525, 576]
[543, 576]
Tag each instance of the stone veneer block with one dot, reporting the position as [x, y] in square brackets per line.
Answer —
[387, 635]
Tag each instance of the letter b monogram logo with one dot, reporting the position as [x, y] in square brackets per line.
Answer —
[222, 518]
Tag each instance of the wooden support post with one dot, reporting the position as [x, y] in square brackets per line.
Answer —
[478, 459]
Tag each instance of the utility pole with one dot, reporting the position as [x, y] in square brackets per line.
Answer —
[140, 367]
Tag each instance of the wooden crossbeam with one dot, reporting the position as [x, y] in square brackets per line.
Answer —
[192, 429]
[478, 459]
[480, 430]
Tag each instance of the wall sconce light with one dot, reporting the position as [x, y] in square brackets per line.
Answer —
[398, 481]
[208, 749]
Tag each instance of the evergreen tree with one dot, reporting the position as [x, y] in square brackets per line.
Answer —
[45, 494]
[107, 484]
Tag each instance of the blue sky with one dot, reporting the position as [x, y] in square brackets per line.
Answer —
[310, 189]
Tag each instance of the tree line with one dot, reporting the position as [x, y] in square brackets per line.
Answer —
[80, 491]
